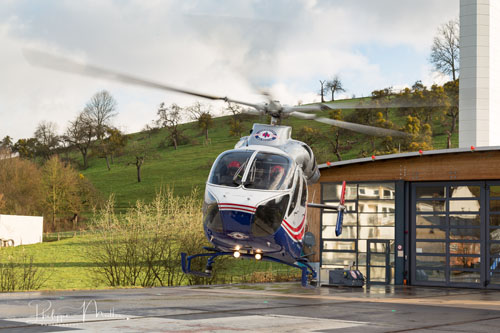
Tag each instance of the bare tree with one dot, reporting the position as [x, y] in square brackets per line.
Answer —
[322, 90]
[48, 140]
[445, 53]
[80, 133]
[100, 110]
[170, 119]
[335, 85]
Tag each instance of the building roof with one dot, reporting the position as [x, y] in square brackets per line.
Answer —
[405, 155]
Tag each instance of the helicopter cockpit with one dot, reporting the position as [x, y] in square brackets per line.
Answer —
[253, 170]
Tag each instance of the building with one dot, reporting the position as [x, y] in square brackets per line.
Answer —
[430, 218]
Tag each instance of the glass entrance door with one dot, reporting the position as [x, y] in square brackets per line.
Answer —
[448, 234]
[378, 269]
[493, 235]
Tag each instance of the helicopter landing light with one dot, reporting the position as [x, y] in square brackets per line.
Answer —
[236, 254]
[258, 256]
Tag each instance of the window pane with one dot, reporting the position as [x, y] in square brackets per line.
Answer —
[431, 191]
[431, 206]
[463, 220]
[378, 274]
[466, 233]
[495, 249]
[430, 261]
[429, 275]
[361, 245]
[465, 277]
[378, 247]
[494, 266]
[376, 191]
[338, 258]
[464, 206]
[430, 233]
[376, 219]
[494, 205]
[376, 232]
[495, 277]
[331, 219]
[495, 220]
[339, 245]
[347, 232]
[431, 247]
[376, 206]
[495, 234]
[494, 191]
[431, 220]
[378, 259]
[465, 191]
[465, 262]
[332, 191]
[465, 248]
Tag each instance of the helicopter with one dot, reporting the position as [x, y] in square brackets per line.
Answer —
[255, 200]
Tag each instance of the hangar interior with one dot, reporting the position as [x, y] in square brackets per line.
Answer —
[430, 218]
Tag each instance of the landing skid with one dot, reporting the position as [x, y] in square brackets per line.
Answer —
[186, 265]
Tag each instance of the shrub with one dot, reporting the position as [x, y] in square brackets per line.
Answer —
[142, 246]
[19, 273]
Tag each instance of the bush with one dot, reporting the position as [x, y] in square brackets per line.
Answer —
[142, 246]
[20, 273]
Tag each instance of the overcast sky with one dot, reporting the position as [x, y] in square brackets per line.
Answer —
[225, 47]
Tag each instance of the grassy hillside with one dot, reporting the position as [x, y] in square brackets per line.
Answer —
[189, 165]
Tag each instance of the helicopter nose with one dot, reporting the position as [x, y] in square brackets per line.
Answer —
[237, 219]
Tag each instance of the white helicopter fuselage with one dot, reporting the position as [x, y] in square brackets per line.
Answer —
[256, 195]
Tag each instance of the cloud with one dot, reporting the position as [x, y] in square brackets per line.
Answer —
[222, 47]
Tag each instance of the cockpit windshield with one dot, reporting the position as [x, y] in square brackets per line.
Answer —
[230, 168]
[269, 172]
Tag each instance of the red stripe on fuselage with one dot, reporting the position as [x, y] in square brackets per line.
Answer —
[236, 210]
[298, 228]
[238, 205]
[296, 237]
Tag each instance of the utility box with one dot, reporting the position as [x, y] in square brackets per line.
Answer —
[345, 277]
[20, 230]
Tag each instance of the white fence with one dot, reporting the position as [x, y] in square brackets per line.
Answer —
[20, 230]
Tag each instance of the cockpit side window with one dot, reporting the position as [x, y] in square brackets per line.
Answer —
[295, 197]
[269, 172]
[303, 197]
[230, 168]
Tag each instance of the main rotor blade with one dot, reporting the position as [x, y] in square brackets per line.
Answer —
[365, 129]
[42, 59]
[304, 108]
[373, 104]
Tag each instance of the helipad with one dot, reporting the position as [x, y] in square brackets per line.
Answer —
[253, 308]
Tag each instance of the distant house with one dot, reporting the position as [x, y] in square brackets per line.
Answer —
[20, 230]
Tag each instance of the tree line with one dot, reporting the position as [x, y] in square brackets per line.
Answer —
[418, 109]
